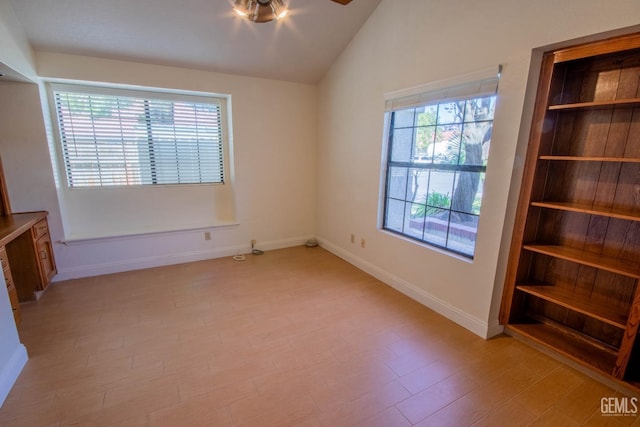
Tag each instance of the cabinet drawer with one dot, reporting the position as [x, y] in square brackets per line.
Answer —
[40, 229]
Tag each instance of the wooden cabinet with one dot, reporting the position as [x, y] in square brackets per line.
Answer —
[574, 269]
[26, 256]
[11, 288]
[28, 246]
[26, 253]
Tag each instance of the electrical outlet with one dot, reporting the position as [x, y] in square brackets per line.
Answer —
[353, 238]
[362, 243]
[207, 235]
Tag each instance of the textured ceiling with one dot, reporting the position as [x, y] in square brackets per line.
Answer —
[200, 34]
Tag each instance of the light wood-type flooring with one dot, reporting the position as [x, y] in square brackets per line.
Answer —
[294, 337]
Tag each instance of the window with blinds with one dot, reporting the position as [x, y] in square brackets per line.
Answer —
[121, 138]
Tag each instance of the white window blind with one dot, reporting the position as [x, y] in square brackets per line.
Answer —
[120, 138]
[478, 84]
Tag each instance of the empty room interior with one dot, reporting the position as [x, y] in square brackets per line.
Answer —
[320, 213]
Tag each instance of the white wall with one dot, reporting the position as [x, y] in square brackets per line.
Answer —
[274, 139]
[15, 51]
[13, 355]
[407, 43]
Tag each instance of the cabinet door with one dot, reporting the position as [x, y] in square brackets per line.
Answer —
[15, 304]
[11, 289]
[46, 260]
[6, 270]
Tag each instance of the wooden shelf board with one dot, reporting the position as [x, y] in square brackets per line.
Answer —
[580, 304]
[631, 102]
[602, 47]
[592, 159]
[569, 345]
[613, 265]
[628, 214]
[634, 384]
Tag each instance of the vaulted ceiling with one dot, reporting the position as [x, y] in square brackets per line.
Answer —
[200, 34]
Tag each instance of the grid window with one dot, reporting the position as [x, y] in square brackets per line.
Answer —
[436, 164]
[138, 138]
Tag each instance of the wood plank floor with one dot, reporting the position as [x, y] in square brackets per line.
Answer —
[295, 337]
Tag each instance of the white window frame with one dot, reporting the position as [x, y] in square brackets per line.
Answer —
[482, 83]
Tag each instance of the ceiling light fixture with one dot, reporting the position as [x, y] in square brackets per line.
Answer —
[260, 10]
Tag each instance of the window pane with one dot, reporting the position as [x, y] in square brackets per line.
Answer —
[451, 112]
[436, 224]
[442, 182]
[413, 220]
[402, 141]
[439, 200]
[394, 215]
[462, 233]
[474, 138]
[447, 147]
[465, 193]
[426, 116]
[404, 118]
[397, 181]
[480, 109]
[477, 201]
[423, 148]
[417, 185]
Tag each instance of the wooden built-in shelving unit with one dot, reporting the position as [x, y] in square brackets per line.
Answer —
[573, 278]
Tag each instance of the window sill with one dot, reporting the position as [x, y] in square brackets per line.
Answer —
[426, 245]
[77, 239]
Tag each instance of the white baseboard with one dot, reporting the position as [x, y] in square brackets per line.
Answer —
[9, 372]
[473, 324]
[494, 328]
[170, 259]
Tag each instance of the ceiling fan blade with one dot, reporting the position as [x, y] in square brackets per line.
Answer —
[345, 2]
